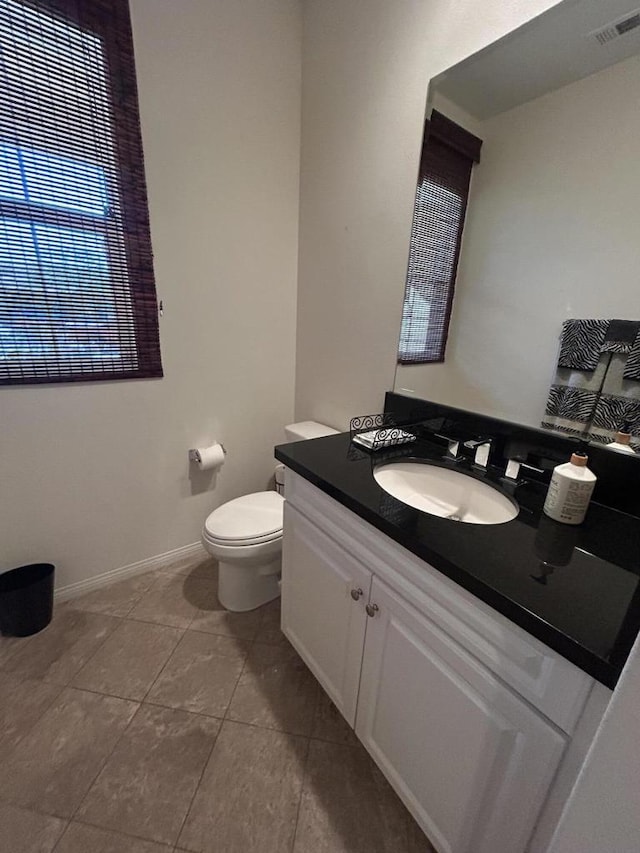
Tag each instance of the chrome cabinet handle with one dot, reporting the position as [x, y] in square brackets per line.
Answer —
[372, 609]
[356, 594]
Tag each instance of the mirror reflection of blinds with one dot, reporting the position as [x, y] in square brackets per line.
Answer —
[77, 292]
[448, 155]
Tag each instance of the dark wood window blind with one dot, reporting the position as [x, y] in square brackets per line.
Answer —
[448, 154]
[77, 292]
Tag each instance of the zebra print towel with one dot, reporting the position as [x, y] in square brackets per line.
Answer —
[581, 343]
[612, 413]
[591, 393]
[632, 366]
[618, 403]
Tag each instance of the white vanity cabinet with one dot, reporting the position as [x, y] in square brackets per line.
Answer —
[429, 690]
[319, 613]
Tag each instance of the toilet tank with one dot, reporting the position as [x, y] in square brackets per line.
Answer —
[307, 429]
[299, 432]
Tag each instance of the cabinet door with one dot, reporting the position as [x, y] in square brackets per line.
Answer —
[471, 760]
[320, 615]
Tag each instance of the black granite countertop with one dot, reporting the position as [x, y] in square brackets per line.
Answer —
[577, 589]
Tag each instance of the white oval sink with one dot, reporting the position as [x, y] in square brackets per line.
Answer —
[449, 494]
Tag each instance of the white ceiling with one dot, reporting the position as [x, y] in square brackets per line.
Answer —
[548, 52]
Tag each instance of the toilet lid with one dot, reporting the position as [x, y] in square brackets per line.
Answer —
[256, 516]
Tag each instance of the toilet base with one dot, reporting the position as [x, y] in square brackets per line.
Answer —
[242, 588]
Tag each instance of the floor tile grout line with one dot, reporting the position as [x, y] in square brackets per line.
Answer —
[139, 599]
[197, 787]
[272, 729]
[104, 693]
[250, 725]
[104, 762]
[83, 822]
[96, 650]
[33, 811]
[247, 640]
[146, 701]
[152, 622]
[151, 703]
[191, 622]
[91, 656]
[157, 704]
[67, 824]
[235, 686]
[164, 665]
[357, 745]
[113, 695]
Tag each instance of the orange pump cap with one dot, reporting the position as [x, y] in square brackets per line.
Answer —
[579, 459]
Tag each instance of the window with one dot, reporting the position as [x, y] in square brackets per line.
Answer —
[448, 154]
[77, 292]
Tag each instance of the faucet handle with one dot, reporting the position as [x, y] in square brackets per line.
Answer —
[512, 471]
[482, 447]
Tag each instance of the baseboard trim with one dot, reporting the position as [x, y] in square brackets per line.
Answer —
[147, 565]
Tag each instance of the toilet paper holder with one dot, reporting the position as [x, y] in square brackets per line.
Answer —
[194, 455]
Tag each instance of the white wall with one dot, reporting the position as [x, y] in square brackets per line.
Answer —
[551, 233]
[603, 812]
[366, 67]
[95, 476]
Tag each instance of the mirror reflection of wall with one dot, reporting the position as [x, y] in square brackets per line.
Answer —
[551, 227]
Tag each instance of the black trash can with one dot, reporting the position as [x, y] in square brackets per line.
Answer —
[26, 599]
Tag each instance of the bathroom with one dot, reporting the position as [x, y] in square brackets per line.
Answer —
[281, 145]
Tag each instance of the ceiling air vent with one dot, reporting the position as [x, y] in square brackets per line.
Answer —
[617, 28]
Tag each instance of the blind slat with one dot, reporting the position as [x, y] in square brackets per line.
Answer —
[77, 290]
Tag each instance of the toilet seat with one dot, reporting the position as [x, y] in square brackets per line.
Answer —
[242, 543]
[249, 520]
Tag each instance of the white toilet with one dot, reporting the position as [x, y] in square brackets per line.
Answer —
[245, 536]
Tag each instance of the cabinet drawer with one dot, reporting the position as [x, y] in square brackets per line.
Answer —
[543, 677]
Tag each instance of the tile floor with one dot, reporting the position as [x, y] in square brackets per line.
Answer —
[147, 719]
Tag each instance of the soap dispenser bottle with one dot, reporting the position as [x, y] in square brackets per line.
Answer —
[621, 442]
[570, 490]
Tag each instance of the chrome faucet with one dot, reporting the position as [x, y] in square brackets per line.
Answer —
[453, 446]
[514, 466]
[482, 447]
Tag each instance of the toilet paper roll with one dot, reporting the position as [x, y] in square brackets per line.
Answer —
[208, 458]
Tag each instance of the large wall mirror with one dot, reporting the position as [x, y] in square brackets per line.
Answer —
[552, 226]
